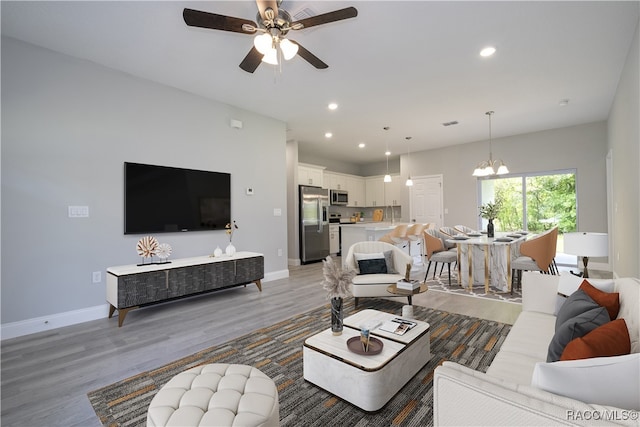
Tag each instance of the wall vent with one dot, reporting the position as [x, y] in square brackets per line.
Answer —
[451, 123]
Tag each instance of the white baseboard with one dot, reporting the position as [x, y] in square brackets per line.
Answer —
[59, 320]
[275, 275]
[53, 321]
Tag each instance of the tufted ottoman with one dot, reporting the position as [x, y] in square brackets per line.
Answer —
[217, 394]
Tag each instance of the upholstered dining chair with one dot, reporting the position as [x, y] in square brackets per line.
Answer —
[436, 252]
[464, 229]
[415, 234]
[536, 254]
[448, 233]
[397, 236]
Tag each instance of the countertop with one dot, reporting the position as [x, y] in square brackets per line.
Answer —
[370, 225]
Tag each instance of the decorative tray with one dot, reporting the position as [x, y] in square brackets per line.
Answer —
[515, 235]
[474, 234]
[355, 345]
[460, 238]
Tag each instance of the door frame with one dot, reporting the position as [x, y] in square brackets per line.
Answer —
[412, 202]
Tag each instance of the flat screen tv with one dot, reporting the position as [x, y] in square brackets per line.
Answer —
[160, 199]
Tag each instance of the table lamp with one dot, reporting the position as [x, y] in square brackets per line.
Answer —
[586, 245]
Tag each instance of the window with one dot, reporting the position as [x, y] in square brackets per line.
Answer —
[533, 202]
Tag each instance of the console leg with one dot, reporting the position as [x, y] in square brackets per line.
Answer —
[258, 284]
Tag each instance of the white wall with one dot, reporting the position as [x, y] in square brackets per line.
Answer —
[582, 147]
[624, 142]
[68, 126]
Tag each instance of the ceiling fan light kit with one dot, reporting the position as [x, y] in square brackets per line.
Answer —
[274, 23]
[488, 167]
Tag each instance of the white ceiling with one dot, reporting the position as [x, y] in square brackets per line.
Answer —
[408, 65]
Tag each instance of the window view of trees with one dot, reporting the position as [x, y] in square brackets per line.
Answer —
[548, 200]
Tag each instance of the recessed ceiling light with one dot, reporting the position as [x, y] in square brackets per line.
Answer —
[332, 106]
[564, 102]
[488, 51]
[361, 145]
[328, 135]
[387, 153]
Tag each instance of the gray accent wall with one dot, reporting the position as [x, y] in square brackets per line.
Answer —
[68, 126]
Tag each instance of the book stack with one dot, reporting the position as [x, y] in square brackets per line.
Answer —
[408, 285]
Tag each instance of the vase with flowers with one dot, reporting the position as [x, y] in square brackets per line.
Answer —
[490, 211]
[337, 283]
[230, 228]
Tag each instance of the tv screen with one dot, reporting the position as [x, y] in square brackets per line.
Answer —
[161, 199]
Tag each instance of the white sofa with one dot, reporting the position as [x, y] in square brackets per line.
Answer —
[375, 285]
[504, 395]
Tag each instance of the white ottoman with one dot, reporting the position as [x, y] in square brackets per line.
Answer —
[217, 394]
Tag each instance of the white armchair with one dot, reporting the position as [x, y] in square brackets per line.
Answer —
[375, 285]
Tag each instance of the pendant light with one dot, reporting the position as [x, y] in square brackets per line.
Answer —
[409, 181]
[487, 168]
[387, 177]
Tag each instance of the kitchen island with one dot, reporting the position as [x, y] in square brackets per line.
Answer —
[363, 231]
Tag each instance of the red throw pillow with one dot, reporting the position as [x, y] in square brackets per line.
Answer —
[610, 339]
[610, 301]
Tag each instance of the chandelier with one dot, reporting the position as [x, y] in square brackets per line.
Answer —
[490, 167]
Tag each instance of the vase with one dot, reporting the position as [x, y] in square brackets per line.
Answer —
[336, 316]
[490, 231]
[217, 252]
[230, 249]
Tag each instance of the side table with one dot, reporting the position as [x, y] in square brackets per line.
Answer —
[405, 292]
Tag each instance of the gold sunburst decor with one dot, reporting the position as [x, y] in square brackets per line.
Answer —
[147, 246]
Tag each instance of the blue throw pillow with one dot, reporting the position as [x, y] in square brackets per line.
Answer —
[372, 266]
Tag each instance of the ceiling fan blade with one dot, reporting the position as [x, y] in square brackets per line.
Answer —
[325, 18]
[197, 18]
[251, 61]
[309, 57]
[264, 5]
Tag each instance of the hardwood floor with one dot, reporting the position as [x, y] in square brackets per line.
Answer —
[46, 376]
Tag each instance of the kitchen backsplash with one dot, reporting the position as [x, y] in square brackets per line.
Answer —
[367, 213]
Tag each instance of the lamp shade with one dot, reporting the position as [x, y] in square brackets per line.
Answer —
[288, 48]
[263, 43]
[586, 244]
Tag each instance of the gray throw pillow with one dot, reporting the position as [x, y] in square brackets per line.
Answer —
[577, 303]
[575, 327]
[388, 258]
[372, 266]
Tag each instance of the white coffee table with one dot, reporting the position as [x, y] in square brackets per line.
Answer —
[368, 382]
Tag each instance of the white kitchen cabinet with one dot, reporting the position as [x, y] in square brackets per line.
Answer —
[356, 189]
[394, 190]
[334, 181]
[334, 238]
[310, 174]
[374, 187]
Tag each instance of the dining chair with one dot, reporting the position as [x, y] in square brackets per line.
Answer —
[436, 252]
[447, 234]
[414, 234]
[464, 229]
[397, 236]
[536, 254]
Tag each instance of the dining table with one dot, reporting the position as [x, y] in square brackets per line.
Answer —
[484, 260]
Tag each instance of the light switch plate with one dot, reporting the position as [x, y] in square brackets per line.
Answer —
[277, 212]
[78, 211]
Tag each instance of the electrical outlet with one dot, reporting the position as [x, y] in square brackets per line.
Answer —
[279, 252]
[97, 277]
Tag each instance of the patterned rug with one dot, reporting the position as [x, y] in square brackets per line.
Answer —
[441, 284]
[277, 351]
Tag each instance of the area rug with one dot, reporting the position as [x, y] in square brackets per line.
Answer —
[277, 351]
[441, 284]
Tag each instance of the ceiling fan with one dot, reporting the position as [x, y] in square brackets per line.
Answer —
[273, 24]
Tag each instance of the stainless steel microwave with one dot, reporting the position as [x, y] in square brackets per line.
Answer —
[339, 197]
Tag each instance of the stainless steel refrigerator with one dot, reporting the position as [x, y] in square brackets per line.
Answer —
[314, 223]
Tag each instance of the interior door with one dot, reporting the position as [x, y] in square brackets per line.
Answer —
[427, 200]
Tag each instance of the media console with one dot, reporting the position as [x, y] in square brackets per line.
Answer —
[132, 286]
